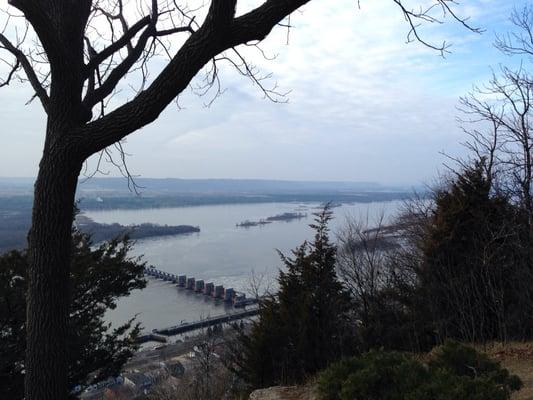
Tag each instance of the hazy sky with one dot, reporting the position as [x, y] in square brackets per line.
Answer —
[364, 105]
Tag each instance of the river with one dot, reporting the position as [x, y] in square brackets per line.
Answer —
[221, 253]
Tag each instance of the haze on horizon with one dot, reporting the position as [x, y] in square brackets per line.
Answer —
[363, 104]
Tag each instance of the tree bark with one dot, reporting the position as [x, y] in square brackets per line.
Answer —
[49, 255]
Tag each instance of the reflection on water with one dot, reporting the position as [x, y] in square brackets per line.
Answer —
[222, 252]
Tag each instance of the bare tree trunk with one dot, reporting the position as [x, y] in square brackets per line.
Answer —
[49, 254]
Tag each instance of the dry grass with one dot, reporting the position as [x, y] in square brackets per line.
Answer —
[518, 359]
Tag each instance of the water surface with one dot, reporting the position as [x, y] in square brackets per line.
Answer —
[221, 253]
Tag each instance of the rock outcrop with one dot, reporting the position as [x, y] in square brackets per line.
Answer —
[284, 393]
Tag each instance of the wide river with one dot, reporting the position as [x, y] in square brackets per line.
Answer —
[221, 253]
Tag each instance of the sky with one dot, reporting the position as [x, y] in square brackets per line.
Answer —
[363, 105]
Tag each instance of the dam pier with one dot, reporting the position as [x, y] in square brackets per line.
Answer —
[209, 289]
[202, 288]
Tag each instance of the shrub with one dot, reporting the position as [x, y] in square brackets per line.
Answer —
[331, 380]
[465, 361]
[375, 375]
[455, 372]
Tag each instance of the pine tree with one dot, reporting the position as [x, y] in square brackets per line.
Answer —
[99, 276]
[476, 271]
[305, 326]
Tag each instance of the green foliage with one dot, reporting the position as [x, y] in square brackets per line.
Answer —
[464, 271]
[476, 266]
[305, 326]
[450, 375]
[98, 278]
[374, 375]
[465, 361]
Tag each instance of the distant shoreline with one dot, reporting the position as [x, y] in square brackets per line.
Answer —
[101, 203]
[15, 210]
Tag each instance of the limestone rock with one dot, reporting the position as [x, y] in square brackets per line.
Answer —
[284, 393]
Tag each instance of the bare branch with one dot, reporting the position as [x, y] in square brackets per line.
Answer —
[521, 42]
[141, 51]
[13, 71]
[28, 69]
[98, 58]
[425, 15]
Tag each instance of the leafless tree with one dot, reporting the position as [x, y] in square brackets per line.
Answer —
[208, 378]
[519, 42]
[504, 104]
[497, 117]
[205, 375]
[464, 266]
[75, 54]
[361, 259]
[191, 386]
[259, 284]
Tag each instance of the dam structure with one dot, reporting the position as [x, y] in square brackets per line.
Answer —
[205, 289]
[209, 289]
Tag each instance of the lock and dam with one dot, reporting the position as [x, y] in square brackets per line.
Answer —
[238, 300]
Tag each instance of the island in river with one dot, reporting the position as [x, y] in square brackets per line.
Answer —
[287, 216]
[100, 232]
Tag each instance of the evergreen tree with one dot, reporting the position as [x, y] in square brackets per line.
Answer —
[305, 326]
[476, 272]
[99, 276]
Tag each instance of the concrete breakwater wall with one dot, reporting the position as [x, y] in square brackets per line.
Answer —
[204, 323]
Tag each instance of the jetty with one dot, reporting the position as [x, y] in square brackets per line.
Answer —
[151, 337]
